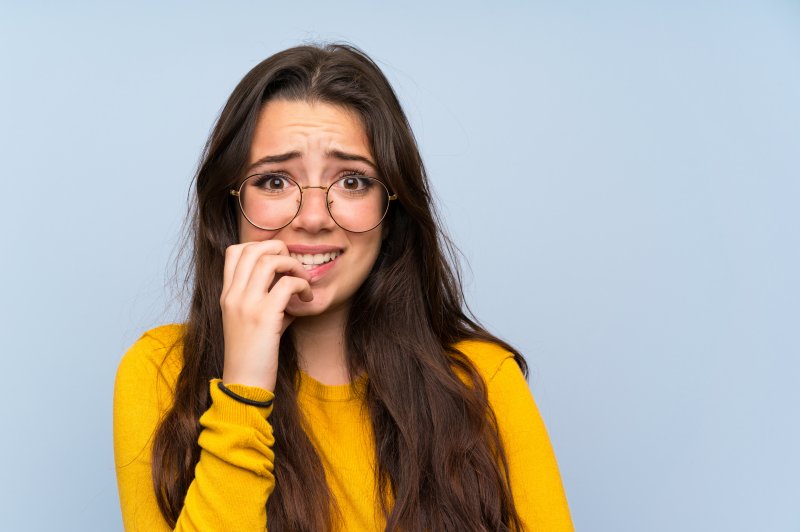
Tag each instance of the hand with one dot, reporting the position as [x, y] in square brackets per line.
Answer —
[259, 280]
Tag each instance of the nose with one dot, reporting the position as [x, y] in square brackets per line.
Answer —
[313, 215]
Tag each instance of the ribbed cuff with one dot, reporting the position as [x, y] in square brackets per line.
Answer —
[234, 409]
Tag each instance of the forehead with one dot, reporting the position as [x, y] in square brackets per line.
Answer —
[309, 128]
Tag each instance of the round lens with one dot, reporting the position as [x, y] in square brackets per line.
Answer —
[358, 203]
[269, 201]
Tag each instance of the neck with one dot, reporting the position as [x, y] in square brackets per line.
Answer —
[319, 341]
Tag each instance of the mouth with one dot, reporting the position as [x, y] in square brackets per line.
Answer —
[315, 260]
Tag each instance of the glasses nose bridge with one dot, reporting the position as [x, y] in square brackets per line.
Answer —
[323, 188]
[302, 206]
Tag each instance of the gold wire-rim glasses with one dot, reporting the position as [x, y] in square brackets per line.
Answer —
[238, 194]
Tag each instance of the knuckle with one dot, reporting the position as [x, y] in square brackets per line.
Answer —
[247, 249]
[225, 298]
[265, 260]
[274, 245]
[282, 283]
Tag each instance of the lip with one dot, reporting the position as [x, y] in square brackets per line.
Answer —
[317, 273]
[321, 270]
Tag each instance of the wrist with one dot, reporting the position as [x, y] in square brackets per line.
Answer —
[248, 379]
[248, 395]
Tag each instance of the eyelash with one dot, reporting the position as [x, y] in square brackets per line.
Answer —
[346, 173]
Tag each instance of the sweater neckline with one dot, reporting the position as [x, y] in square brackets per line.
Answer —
[332, 392]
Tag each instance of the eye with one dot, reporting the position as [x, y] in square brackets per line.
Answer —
[354, 183]
[272, 183]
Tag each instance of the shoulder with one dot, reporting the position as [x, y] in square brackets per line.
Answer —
[144, 390]
[487, 357]
[157, 346]
[156, 358]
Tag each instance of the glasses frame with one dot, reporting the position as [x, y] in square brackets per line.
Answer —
[238, 194]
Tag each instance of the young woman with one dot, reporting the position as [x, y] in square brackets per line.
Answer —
[328, 376]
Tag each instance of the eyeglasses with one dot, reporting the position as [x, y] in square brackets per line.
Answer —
[357, 203]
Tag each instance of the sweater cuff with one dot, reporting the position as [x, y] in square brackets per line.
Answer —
[232, 408]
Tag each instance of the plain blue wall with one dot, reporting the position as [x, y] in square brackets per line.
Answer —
[622, 178]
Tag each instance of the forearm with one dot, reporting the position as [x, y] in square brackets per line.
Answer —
[233, 477]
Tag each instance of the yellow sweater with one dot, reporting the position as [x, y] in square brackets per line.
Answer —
[233, 478]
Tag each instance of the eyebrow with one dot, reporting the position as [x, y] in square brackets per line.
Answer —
[331, 154]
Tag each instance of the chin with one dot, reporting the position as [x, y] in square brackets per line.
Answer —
[303, 311]
[319, 305]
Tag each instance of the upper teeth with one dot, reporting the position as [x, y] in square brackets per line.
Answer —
[316, 259]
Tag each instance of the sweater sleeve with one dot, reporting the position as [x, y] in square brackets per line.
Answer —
[535, 480]
[234, 475]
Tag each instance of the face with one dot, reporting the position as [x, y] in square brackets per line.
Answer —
[317, 135]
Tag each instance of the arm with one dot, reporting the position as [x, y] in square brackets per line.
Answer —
[234, 475]
[535, 481]
[233, 478]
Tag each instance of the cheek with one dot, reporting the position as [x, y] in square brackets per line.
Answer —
[248, 233]
[369, 255]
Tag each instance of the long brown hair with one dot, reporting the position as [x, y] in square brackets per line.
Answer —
[441, 463]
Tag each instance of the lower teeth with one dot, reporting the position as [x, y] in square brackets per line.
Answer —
[311, 266]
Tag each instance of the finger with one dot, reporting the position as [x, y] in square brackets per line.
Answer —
[232, 254]
[284, 289]
[250, 253]
[267, 268]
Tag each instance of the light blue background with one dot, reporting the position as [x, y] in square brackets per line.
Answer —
[621, 176]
